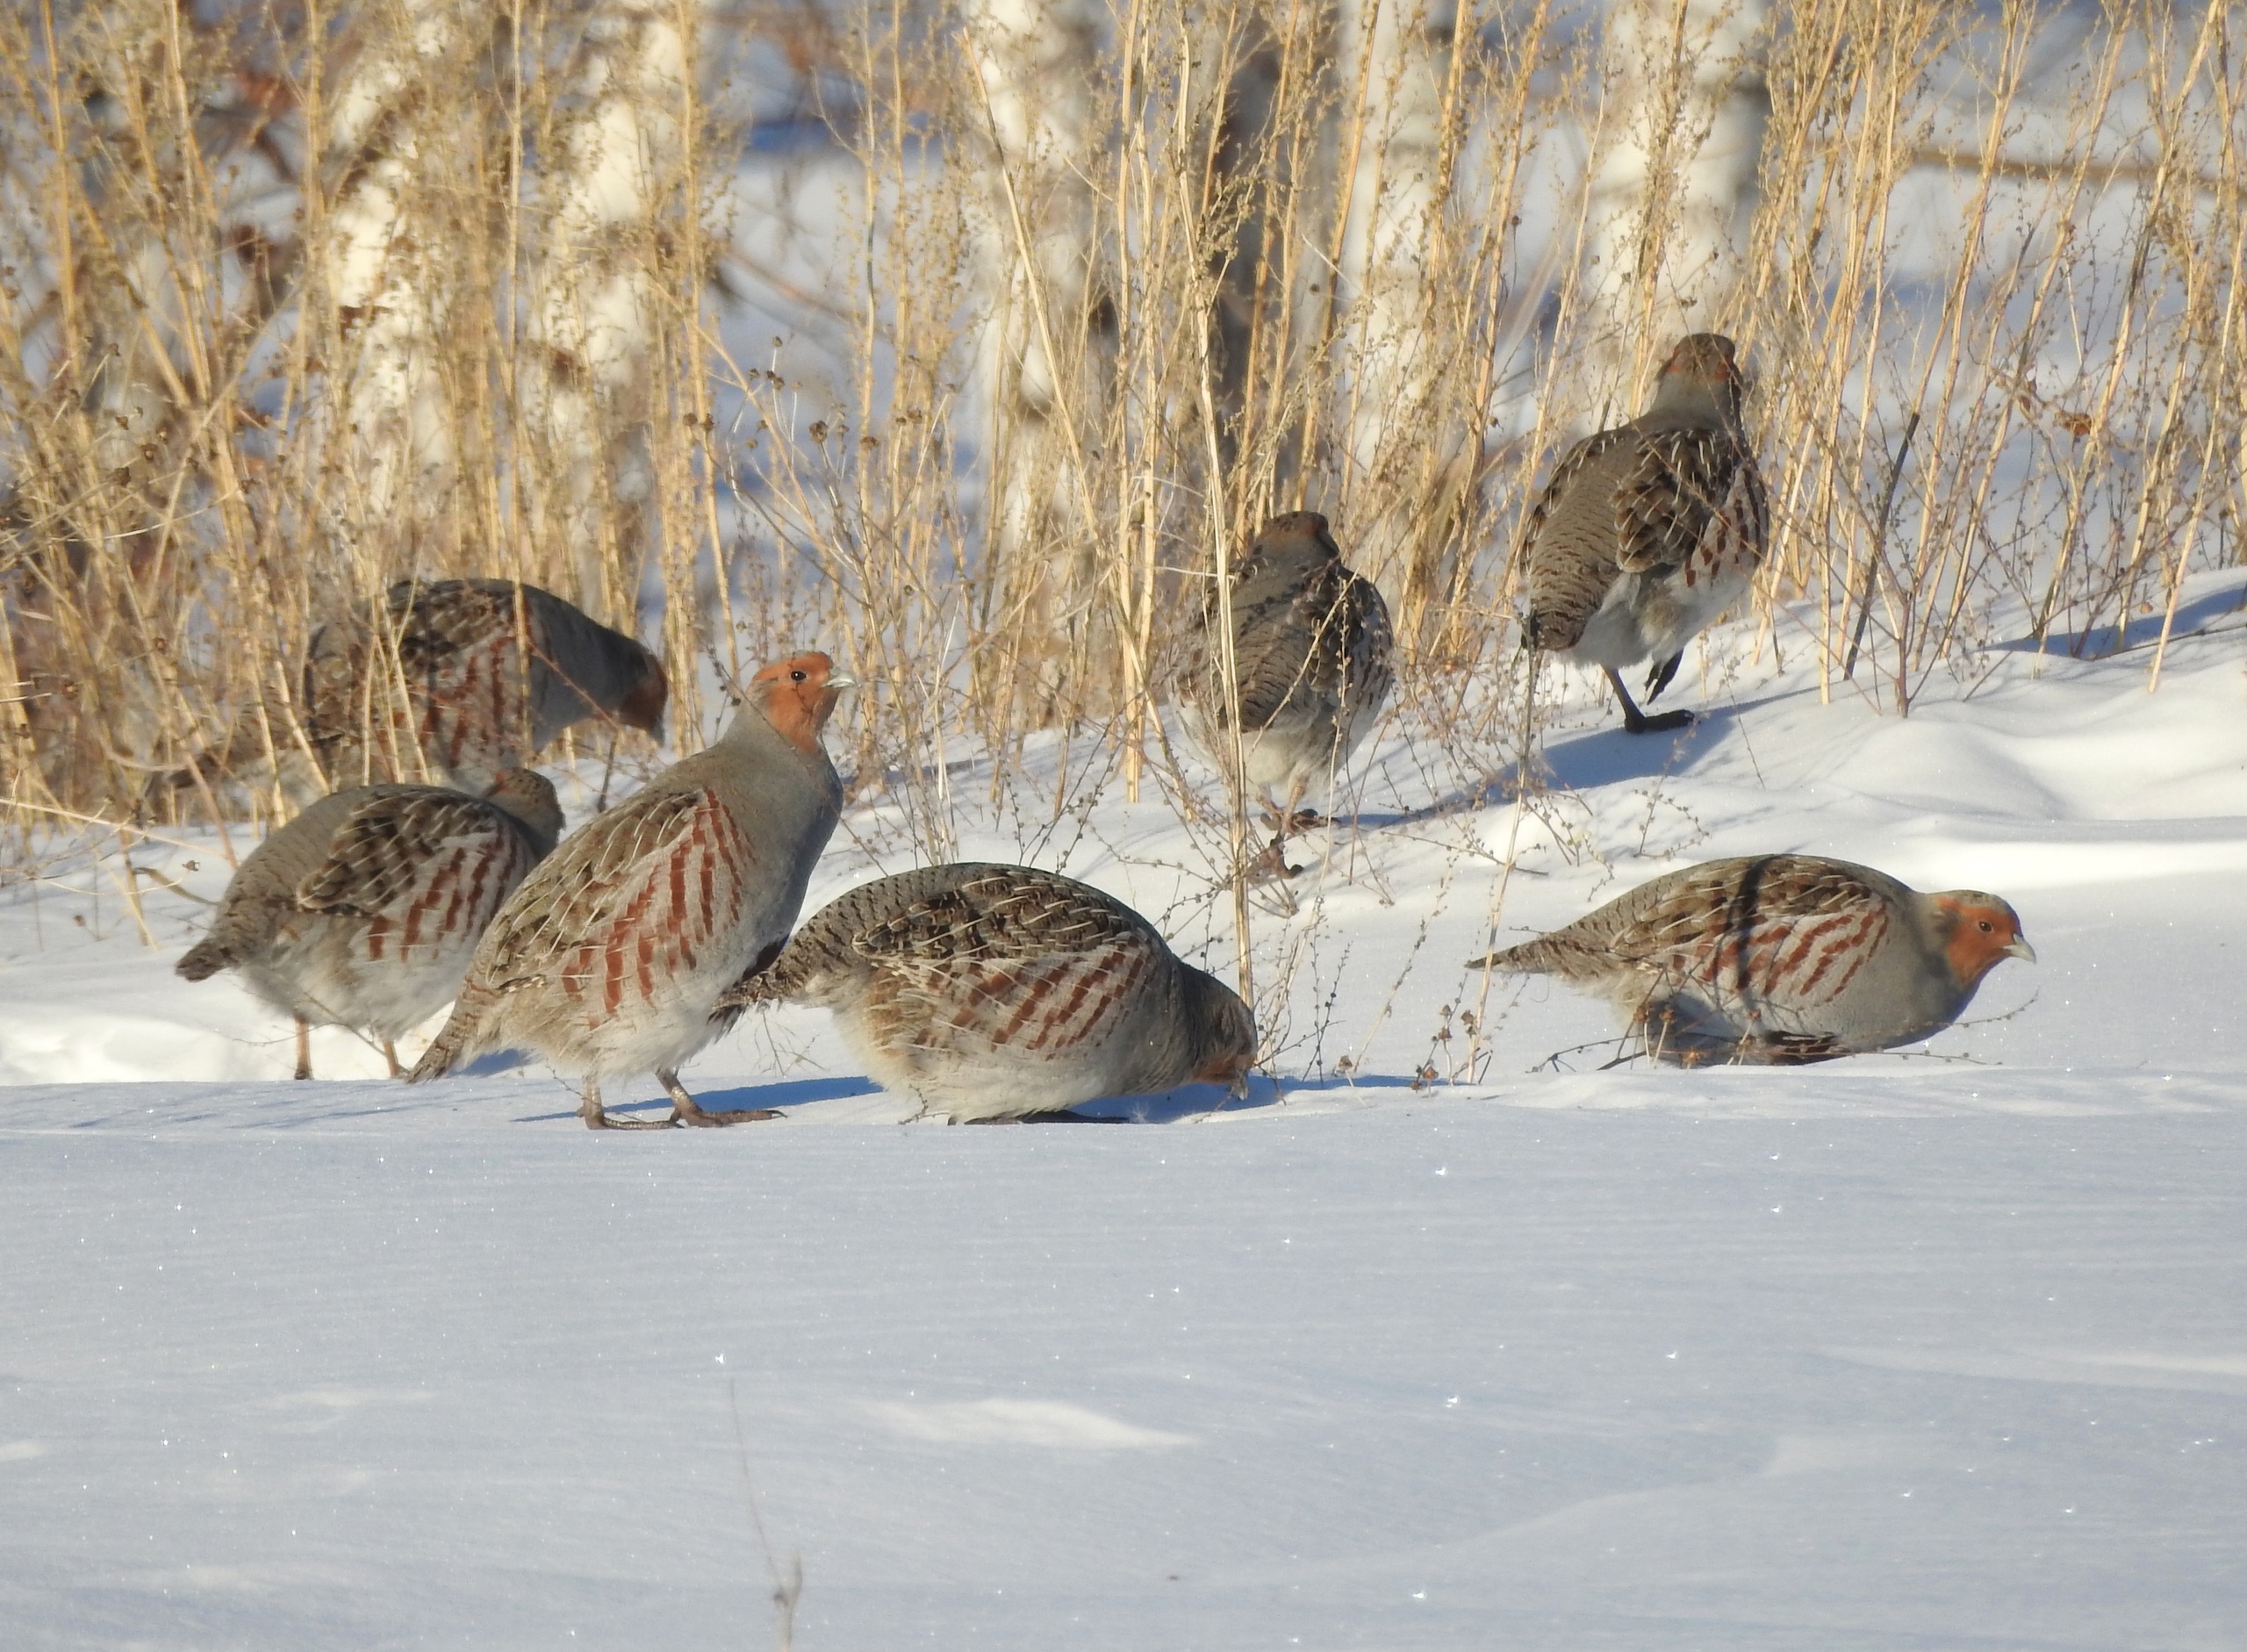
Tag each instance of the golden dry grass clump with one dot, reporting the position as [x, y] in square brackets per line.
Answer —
[292, 307]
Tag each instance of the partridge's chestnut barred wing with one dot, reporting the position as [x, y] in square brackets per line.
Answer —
[364, 910]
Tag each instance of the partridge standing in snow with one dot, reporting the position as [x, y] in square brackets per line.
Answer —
[1312, 647]
[993, 992]
[364, 910]
[487, 674]
[1647, 532]
[609, 958]
[1778, 959]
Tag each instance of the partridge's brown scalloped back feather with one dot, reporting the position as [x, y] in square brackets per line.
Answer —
[610, 959]
[1311, 647]
[996, 992]
[1779, 958]
[475, 700]
[1645, 533]
[493, 670]
[365, 909]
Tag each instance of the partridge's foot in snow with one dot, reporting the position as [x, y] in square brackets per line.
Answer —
[1660, 723]
[689, 1114]
[1637, 722]
[597, 1119]
[1272, 865]
[686, 1110]
[1295, 822]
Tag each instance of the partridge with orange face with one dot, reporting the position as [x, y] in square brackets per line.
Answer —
[996, 992]
[364, 910]
[1645, 533]
[1778, 959]
[610, 957]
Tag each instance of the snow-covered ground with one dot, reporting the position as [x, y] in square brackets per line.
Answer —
[1935, 1350]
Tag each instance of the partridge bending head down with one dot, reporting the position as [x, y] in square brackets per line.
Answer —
[462, 678]
[1778, 959]
[1645, 533]
[1311, 646]
[994, 992]
[364, 910]
[609, 959]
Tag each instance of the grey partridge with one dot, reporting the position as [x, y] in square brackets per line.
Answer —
[488, 673]
[996, 992]
[1778, 959]
[608, 959]
[1311, 647]
[1645, 533]
[363, 911]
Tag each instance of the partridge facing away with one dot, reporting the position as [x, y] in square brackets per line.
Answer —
[609, 958]
[993, 992]
[1778, 959]
[1645, 533]
[364, 910]
[480, 685]
[1311, 646]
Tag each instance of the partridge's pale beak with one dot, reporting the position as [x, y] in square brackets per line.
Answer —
[841, 679]
[2022, 950]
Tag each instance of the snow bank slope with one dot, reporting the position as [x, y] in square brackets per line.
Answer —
[1425, 1373]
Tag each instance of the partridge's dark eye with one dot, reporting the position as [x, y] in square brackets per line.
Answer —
[797, 677]
[1986, 926]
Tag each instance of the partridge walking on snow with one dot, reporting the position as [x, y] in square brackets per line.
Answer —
[993, 992]
[610, 957]
[1778, 959]
[1311, 646]
[364, 910]
[1647, 532]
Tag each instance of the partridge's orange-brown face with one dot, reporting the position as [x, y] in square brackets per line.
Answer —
[643, 707]
[799, 695]
[1229, 1070]
[1984, 931]
[1705, 358]
[1228, 1040]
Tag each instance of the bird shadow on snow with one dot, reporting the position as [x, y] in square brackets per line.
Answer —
[2203, 612]
[788, 1092]
[1587, 761]
[1189, 1102]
